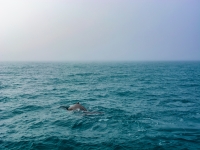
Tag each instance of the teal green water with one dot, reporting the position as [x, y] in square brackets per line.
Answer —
[145, 105]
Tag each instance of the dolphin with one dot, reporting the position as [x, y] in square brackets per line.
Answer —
[76, 106]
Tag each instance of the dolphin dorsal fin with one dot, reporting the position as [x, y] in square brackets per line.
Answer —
[77, 103]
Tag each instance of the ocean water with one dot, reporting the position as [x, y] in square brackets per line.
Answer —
[144, 105]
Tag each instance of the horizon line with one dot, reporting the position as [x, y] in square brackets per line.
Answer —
[94, 61]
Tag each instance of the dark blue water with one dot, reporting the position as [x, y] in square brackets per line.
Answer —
[145, 105]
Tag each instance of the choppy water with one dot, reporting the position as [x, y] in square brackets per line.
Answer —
[145, 105]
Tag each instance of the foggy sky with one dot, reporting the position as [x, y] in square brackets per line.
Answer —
[99, 30]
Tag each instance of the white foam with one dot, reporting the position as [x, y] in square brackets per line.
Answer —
[103, 120]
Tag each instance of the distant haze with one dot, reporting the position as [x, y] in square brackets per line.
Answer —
[99, 30]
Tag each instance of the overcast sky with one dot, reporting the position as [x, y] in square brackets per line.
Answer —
[99, 30]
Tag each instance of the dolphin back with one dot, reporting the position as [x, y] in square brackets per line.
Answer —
[77, 106]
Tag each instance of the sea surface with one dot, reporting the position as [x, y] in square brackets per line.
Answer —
[144, 105]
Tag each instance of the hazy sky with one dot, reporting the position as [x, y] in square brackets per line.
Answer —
[102, 30]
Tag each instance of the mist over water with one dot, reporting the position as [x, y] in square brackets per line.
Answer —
[145, 105]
